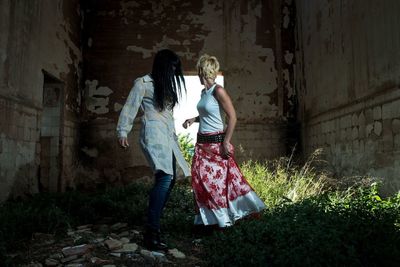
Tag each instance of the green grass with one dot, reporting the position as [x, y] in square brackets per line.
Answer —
[309, 221]
[278, 181]
[333, 229]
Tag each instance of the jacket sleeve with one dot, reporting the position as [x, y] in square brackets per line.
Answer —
[130, 109]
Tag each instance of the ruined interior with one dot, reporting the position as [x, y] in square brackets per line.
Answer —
[310, 74]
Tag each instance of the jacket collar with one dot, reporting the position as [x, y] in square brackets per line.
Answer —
[147, 78]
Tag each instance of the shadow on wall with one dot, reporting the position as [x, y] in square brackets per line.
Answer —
[25, 182]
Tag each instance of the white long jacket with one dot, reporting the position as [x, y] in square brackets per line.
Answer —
[157, 136]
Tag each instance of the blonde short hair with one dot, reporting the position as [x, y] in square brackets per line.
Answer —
[208, 66]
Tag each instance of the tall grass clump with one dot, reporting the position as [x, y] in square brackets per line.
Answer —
[279, 181]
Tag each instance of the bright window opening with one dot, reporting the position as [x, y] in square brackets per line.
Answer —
[187, 109]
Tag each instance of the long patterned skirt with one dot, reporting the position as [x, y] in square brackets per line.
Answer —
[221, 192]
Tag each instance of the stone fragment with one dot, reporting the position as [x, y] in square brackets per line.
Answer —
[56, 256]
[124, 240]
[176, 253]
[86, 226]
[147, 255]
[70, 232]
[76, 250]
[118, 226]
[96, 260]
[127, 248]
[85, 230]
[51, 262]
[97, 240]
[160, 257]
[124, 234]
[114, 236]
[113, 244]
[135, 232]
[34, 264]
[68, 259]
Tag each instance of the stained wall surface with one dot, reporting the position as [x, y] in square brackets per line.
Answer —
[37, 36]
[348, 66]
[252, 39]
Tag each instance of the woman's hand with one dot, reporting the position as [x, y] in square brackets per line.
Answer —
[188, 122]
[123, 141]
[227, 150]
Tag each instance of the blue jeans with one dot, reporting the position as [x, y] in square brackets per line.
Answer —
[158, 197]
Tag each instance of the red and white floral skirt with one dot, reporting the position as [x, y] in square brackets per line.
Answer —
[222, 194]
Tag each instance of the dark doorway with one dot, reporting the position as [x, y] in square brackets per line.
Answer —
[50, 134]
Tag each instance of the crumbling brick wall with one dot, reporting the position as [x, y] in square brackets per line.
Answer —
[36, 36]
[252, 39]
[348, 65]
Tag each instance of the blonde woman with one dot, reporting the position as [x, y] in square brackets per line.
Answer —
[221, 192]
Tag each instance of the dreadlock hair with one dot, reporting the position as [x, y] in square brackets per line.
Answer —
[168, 79]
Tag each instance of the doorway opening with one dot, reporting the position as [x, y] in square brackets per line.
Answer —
[187, 105]
[50, 135]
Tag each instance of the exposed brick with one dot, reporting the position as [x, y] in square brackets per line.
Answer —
[361, 146]
[396, 141]
[356, 146]
[377, 113]
[396, 109]
[368, 129]
[378, 128]
[369, 116]
[345, 122]
[388, 142]
[354, 133]
[387, 111]
[396, 126]
[354, 119]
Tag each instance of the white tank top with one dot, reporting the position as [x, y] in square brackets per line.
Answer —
[209, 112]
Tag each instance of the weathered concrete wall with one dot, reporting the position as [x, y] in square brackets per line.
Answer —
[36, 35]
[253, 40]
[348, 66]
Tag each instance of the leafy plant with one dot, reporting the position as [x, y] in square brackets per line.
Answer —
[187, 147]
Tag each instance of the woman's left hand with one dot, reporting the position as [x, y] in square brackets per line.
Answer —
[226, 150]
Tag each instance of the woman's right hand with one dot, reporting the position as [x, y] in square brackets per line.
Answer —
[188, 122]
[123, 141]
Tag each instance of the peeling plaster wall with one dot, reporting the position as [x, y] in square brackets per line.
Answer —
[348, 65]
[253, 39]
[36, 35]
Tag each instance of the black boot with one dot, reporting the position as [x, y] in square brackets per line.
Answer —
[152, 240]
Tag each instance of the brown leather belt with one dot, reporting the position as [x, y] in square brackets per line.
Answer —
[215, 138]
